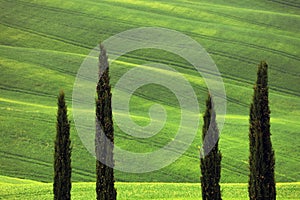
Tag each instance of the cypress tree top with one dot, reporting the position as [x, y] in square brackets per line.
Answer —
[105, 189]
[62, 153]
[211, 164]
[261, 159]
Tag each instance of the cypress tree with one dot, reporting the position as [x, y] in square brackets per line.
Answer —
[261, 159]
[104, 133]
[62, 153]
[210, 164]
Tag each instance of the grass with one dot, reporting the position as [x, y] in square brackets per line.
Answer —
[43, 43]
[13, 188]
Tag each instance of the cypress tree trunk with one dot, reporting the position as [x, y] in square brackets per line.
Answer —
[62, 153]
[211, 163]
[104, 134]
[261, 159]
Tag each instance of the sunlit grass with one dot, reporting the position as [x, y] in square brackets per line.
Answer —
[26, 189]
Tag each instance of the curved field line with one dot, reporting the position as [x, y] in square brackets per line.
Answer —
[295, 5]
[231, 77]
[233, 57]
[140, 94]
[180, 16]
[234, 7]
[42, 50]
[40, 162]
[13, 180]
[34, 118]
[174, 173]
[245, 20]
[180, 65]
[213, 52]
[254, 46]
[76, 170]
[45, 65]
[202, 88]
[27, 91]
[189, 33]
[273, 120]
[26, 103]
[194, 19]
[251, 61]
[157, 143]
[48, 65]
[52, 37]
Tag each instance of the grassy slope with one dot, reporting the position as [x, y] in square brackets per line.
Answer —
[42, 44]
[13, 188]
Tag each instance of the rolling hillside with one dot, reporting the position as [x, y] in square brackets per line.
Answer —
[43, 43]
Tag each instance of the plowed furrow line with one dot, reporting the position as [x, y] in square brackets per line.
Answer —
[129, 23]
[23, 158]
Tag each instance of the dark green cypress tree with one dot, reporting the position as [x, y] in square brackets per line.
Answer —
[62, 153]
[261, 159]
[210, 164]
[104, 133]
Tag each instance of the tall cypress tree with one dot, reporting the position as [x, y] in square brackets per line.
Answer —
[210, 164]
[62, 153]
[261, 159]
[104, 133]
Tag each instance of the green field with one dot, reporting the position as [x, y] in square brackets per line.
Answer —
[13, 188]
[43, 43]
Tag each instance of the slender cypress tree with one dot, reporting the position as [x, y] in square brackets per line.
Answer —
[62, 153]
[104, 133]
[211, 164]
[261, 159]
